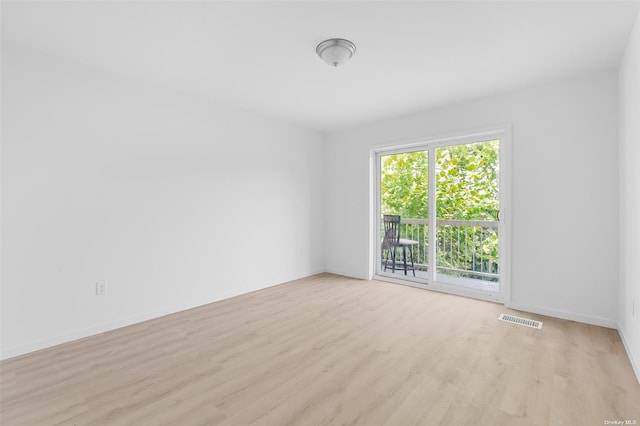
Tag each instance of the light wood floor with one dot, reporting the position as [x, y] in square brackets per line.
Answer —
[329, 350]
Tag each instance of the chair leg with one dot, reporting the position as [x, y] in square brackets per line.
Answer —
[386, 257]
[404, 258]
[412, 265]
[393, 260]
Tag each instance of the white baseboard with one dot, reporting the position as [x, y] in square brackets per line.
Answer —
[11, 352]
[346, 274]
[635, 361]
[587, 319]
[99, 328]
[6, 353]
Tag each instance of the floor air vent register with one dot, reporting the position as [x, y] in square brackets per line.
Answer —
[521, 321]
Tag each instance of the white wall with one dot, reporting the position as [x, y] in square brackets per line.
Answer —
[629, 325]
[173, 201]
[564, 180]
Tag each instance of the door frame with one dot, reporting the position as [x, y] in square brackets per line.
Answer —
[501, 132]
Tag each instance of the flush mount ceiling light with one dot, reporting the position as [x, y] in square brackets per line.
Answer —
[336, 51]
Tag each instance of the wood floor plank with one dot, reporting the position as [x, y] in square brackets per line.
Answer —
[328, 350]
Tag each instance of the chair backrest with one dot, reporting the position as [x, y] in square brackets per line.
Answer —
[391, 230]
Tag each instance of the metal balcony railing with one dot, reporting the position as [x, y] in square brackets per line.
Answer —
[464, 248]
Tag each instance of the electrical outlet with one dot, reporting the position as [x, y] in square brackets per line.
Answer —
[101, 288]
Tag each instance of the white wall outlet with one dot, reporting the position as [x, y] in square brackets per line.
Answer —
[101, 288]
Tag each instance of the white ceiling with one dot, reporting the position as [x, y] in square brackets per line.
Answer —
[260, 56]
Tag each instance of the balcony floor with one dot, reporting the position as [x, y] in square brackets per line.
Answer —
[488, 286]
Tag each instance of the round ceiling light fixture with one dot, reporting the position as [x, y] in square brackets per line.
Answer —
[336, 51]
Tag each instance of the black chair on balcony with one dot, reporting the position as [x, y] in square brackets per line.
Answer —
[391, 242]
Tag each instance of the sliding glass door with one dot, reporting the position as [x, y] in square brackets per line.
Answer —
[447, 195]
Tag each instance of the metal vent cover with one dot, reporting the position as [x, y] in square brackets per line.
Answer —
[521, 321]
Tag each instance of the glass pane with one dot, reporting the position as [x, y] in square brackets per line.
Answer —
[404, 190]
[467, 206]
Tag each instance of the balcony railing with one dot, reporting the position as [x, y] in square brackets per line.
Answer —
[464, 248]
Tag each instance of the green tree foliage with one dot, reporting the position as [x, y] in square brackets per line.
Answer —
[467, 182]
[466, 176]
[404, 184]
